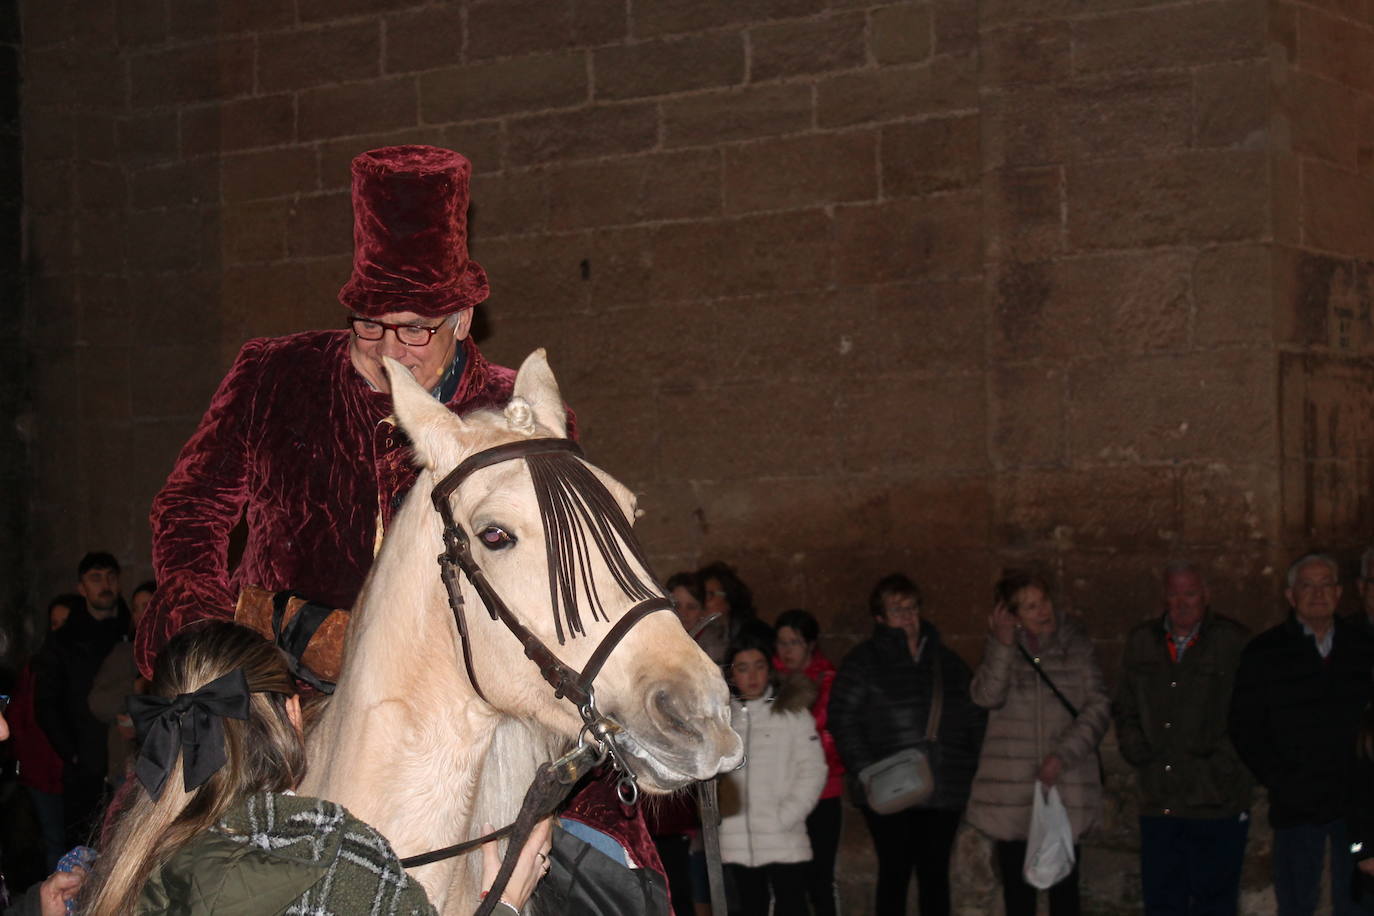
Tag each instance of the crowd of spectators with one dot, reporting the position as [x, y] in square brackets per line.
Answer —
[1203, 710]
[68, 745]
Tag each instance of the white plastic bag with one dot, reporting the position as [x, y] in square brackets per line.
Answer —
[1049, 847]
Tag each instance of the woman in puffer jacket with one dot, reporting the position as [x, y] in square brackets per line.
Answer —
[1031, 734]
[765, 802]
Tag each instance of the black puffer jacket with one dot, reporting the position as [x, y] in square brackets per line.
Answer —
[880, 704]
[1294, 717]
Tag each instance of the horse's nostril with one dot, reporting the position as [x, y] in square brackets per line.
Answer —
[669, 715]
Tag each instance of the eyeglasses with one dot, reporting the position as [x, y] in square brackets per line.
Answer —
[412, 335]
[4, 702]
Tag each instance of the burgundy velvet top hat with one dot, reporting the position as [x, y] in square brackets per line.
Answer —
[410, 234]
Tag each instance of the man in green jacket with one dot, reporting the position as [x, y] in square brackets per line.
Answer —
[1171, 721]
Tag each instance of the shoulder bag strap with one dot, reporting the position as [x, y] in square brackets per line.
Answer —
[1073, 710]
[937, 697]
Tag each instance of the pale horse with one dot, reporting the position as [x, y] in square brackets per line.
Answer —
[406, 744]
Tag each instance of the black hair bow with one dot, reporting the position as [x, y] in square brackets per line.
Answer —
[193, 721]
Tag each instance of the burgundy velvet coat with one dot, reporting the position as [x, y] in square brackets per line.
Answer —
[298, 443]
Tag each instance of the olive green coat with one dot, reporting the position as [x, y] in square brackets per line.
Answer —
[284, 854]
[1171, 721]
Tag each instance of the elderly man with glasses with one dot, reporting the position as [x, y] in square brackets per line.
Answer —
[299, 442]
[1300, 690]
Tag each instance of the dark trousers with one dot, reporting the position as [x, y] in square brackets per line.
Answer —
[786, 880]
[48, 808]
[823, 830]
[83, 800]
[1191, 866]
[1298, 856]
[922, 840]
[1019, 896]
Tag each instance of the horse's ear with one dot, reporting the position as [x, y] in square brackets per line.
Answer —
[535, 385]
[431, 426]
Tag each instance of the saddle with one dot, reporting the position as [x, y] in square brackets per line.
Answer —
[312, 635]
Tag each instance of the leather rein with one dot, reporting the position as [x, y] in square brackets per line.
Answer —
[596, 743]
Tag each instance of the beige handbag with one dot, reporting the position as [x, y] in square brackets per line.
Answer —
[904, 780]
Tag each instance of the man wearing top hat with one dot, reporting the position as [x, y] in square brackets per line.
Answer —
[300, 440]
[299, 437]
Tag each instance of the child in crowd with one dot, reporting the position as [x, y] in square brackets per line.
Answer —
[799, 653]
[764, 804]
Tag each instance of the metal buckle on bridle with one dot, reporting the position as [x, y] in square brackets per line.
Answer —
[600, 731]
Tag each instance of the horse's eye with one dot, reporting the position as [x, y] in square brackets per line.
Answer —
[494, 538]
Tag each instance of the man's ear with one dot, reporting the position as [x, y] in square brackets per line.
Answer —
[463, 324]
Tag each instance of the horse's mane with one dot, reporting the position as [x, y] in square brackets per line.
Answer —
[573, 505]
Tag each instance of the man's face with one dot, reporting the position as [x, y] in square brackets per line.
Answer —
[427, 364]
[1315, 593]
[1185, 600]
[100, 588]
[902, 612]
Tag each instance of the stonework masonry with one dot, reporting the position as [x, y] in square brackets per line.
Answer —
[14, 381]
[840, 287]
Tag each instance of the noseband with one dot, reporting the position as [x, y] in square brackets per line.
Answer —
[576, 686]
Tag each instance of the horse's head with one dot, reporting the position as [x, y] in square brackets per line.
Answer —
[551, 534]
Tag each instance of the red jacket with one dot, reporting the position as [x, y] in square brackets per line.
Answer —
[822, 671]
[299, 445]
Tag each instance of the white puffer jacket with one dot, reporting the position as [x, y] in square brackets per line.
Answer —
[764, 804]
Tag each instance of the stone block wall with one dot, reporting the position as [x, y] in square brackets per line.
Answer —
[14, 357]
[839, 286]
[1322, 168]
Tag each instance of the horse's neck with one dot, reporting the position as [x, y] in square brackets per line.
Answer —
[517, 749]
[403, 741]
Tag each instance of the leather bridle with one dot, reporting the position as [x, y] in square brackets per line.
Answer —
[577, 686]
